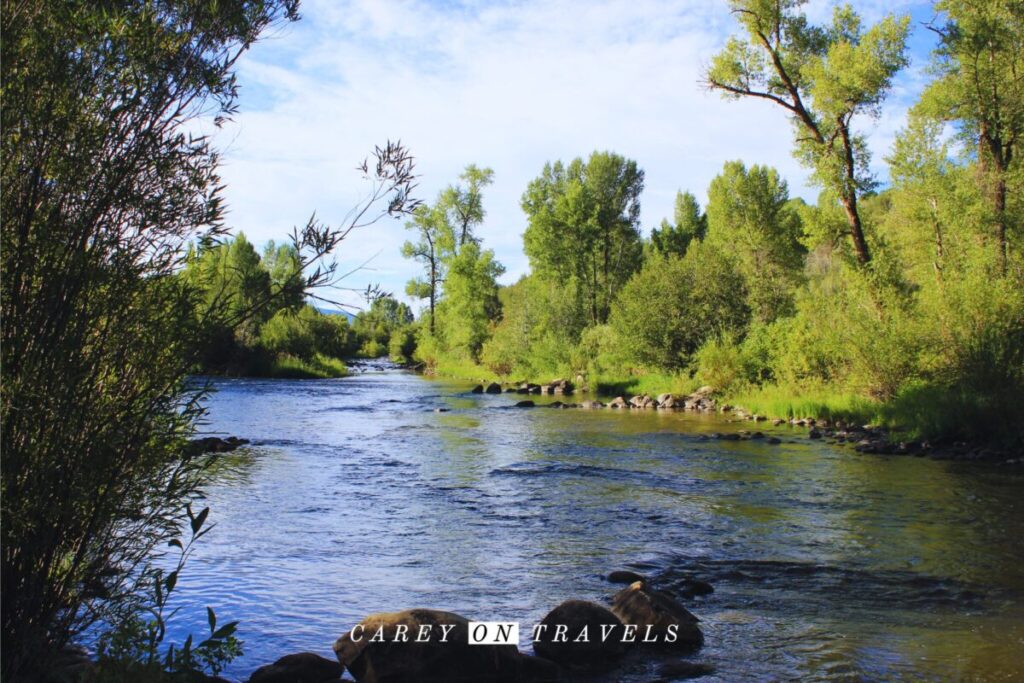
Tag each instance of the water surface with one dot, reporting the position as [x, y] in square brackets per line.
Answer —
[358, 497]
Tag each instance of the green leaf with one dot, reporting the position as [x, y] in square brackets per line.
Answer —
[198, 520]
[211, 618]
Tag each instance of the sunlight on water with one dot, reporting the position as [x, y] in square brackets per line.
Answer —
[357, 497]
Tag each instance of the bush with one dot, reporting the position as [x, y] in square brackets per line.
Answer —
[402, 345]
[668, 309]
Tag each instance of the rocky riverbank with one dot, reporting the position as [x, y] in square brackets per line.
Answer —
[862, 439]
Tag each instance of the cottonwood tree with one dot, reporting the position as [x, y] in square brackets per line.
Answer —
[980, 87]
[749, 217]
[436, 240]
[583, 225]
[104, 186]
[464, 203]
[824, 76]
[689, 224]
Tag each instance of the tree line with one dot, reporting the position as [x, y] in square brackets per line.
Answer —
[902, 303]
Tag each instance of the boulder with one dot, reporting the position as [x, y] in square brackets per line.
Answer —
[304, 667]
[658, 617]
[525, 404]
[493, 388]
[663, 397]
[580, 636]
[669, 401]
[442, 655]
[561, 386]
[591, 405]
[478, 389]
[617, 402]
[534, 388]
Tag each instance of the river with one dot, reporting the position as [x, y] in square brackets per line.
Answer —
[357, 497]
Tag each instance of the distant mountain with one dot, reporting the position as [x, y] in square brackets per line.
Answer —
[335, 311]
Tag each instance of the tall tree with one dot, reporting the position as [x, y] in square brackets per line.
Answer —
[583, 224]
[690, 224]
[822, 76]
[464, 203]
[436, 241]
[749, 217]
[980, 60]
[470, 300]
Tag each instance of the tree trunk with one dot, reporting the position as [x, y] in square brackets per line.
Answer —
[999, 204]
[860, 245]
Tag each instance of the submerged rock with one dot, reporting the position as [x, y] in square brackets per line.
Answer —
[214, 444]
[683, 670]
[525, 404]
[626, 576]
[591, 405]
[304, 667]
[658, 617]
[493, 388]
[580, 635]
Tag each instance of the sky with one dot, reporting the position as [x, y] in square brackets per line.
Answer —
[509, 85]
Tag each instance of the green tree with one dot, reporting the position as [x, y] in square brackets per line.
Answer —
[690, 224]
[436, 240]
[673, 305]
[749, 217]
[470, 300]
[583, 226]
[464, 203]
[822, 76]
[980, 87]
[103, 189]
[283, 264]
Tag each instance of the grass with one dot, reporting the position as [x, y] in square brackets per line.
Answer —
[319, 367]
[822, 402]
[652, 383]
[456, 368]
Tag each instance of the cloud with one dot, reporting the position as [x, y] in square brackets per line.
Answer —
[509, 85]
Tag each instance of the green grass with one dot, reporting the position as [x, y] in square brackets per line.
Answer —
[652, 383]
[455, 368]
[784, 402]
[319, 367]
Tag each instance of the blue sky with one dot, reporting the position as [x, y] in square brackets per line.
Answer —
[509, 85]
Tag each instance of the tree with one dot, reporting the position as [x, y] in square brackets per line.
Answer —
[690, 224]
[464, 204]
[436, 242]
[103, 189]
[672, 305]
[283, 264]
[824, 77]
[470, 300]
[749, 217]
[583, 225]
[980, 61]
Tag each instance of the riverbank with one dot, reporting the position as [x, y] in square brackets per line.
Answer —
[923, 421]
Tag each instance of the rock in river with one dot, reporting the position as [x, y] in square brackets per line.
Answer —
[625, 576]
[580, 635]
[659, 619]
[431, 646]
[478, 389]
[493, 388]
[304, 667]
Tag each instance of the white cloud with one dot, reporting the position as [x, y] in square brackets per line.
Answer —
[508, 85]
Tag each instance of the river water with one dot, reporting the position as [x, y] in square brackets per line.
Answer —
[357, 497]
